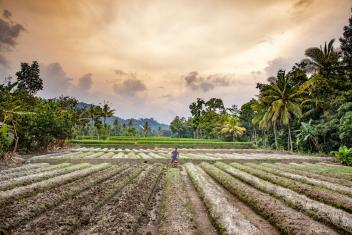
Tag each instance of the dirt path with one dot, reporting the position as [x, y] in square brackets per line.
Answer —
[201, 217]
[176, 215]
[149, 222]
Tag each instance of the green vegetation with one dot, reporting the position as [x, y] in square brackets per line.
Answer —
[344, 155]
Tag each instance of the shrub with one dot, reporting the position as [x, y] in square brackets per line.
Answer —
[6, 139]
[344, 155]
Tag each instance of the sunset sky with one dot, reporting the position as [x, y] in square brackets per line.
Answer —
[152, 58]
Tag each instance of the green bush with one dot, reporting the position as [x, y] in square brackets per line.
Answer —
[6, 139]
[344, 155]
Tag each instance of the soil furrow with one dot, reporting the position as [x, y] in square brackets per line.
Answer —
[120, 214]
[149, 221]
[29, 179]
[24, 167]
[64, 218]
[285, 218]
[284, 167]
[200, 213]
[321, 194]
[319, 211]
[25, 191]
[227, 217]
[176, 215]
[21, 211]
[315, 182]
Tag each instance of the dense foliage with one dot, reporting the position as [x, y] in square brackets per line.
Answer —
[28, 122]
[308, 108]
[210, 120]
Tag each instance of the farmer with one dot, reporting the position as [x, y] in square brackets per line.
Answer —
[174, 155]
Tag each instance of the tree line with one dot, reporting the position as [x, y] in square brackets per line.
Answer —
[31, 123]
[308, 108]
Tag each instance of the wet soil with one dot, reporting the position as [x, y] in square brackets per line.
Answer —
[149, 222]
[176, 215]
[198, 208]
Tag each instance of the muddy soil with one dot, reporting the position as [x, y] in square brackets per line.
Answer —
[176, 215]
[121, 213]
[149, 222]
[198, 208]
[63, 218]
[21, 211]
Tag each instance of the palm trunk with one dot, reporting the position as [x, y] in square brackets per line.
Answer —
[264, 138]
[290, 138]
[275, 136]
[255, 137]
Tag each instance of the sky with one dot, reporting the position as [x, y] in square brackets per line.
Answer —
[152, 58]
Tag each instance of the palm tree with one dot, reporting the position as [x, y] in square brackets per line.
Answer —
[232, 126]
[261, 119]
[322, 59]
[284, 100]
[107, 111]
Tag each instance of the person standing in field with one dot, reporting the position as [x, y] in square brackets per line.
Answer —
[174, 156]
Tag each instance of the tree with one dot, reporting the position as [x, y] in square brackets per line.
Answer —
[160, 131]
[234, 110]
[232, 127]
[146, 129]
[116, 127]
[323, 59]
[95, 113]
[215, 105]
[197, 111]
[246, 114]
[107, 112]
[346, 48]
[284, 102]
[306, 136]
[177, 126]
[28, 77]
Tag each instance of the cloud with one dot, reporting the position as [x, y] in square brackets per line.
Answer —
[303, 3]
[85, 82]
[120, 72]
[197, 82]
[9, 32]
[130, 86]
[7, 14]
[279, 63]
[256, 73]
[56, 82]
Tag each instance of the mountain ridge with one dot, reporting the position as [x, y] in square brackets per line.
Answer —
[137, 123]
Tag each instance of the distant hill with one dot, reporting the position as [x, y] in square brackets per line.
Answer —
[137, 123]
